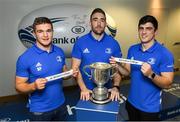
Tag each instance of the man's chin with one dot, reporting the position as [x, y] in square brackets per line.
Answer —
[99, 33]
[47, 45]
[144, 42]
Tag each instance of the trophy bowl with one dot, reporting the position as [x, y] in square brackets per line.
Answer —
[100, 73]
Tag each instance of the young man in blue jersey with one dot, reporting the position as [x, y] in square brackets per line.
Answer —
[147, 80]
[96, 46]
[46, 99]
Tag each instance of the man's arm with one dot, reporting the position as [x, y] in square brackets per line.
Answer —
[64, 70]
[115, 89]
[123, 68]
[22, 86]
[85, 93]
[164, 80]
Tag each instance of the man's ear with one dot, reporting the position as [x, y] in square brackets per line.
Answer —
[33, 33]
[156, 32]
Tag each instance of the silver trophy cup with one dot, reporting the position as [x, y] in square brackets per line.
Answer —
[100, 73]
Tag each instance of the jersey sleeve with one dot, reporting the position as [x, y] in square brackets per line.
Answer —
[21, 68]
[117, 52]
[76, 51]
[167, 62]
[63, 58]
[129, 55]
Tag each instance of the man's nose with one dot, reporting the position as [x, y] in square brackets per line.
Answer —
[144, 31]
[99, 22]
[45, 34]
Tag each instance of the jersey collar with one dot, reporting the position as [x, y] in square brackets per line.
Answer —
[39, 50]
[151, 49]
[91, 36]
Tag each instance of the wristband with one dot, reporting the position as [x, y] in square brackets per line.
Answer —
[152, 75]
[116, 87]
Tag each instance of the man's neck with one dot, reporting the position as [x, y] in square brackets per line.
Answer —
[96, 36]
[146, 46]
[45, 48]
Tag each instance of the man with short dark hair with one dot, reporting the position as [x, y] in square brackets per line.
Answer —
[43, 59]
[147, 80]
[96, 46]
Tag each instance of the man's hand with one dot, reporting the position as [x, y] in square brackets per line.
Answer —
[113, 62]
[114, 94]
[85, 94]
[40, 83]
[146, 69]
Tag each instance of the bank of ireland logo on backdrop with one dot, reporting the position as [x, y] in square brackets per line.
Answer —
[70, 21]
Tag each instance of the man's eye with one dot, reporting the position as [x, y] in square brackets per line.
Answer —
[149, 28]
[49, 30]
[102, 20]
[39, 31]
[140, 28]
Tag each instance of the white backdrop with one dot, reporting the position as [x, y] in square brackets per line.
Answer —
[125, 13]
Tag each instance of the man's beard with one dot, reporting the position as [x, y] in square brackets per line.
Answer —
[98, 33]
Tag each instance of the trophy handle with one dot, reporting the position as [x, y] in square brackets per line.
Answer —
[116, 71]
[85, 67]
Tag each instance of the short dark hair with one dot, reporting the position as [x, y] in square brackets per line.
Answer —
[41, 20]
[149, 18]
[97, 10]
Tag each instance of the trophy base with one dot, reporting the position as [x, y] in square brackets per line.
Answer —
[100, 101]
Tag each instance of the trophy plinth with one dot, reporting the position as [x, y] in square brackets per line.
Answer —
[100, 74]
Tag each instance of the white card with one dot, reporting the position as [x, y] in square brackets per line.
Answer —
[129, 61]
[58, 76]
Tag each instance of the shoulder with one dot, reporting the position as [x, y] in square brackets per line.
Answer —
[164, 51]
[24, 57]
[135, 46]
[82, 38]
[82, 41]
[111, 39]
[107, 36]
[58, 49]
[28, 52]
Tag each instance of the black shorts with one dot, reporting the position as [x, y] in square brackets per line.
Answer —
[138, 115]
